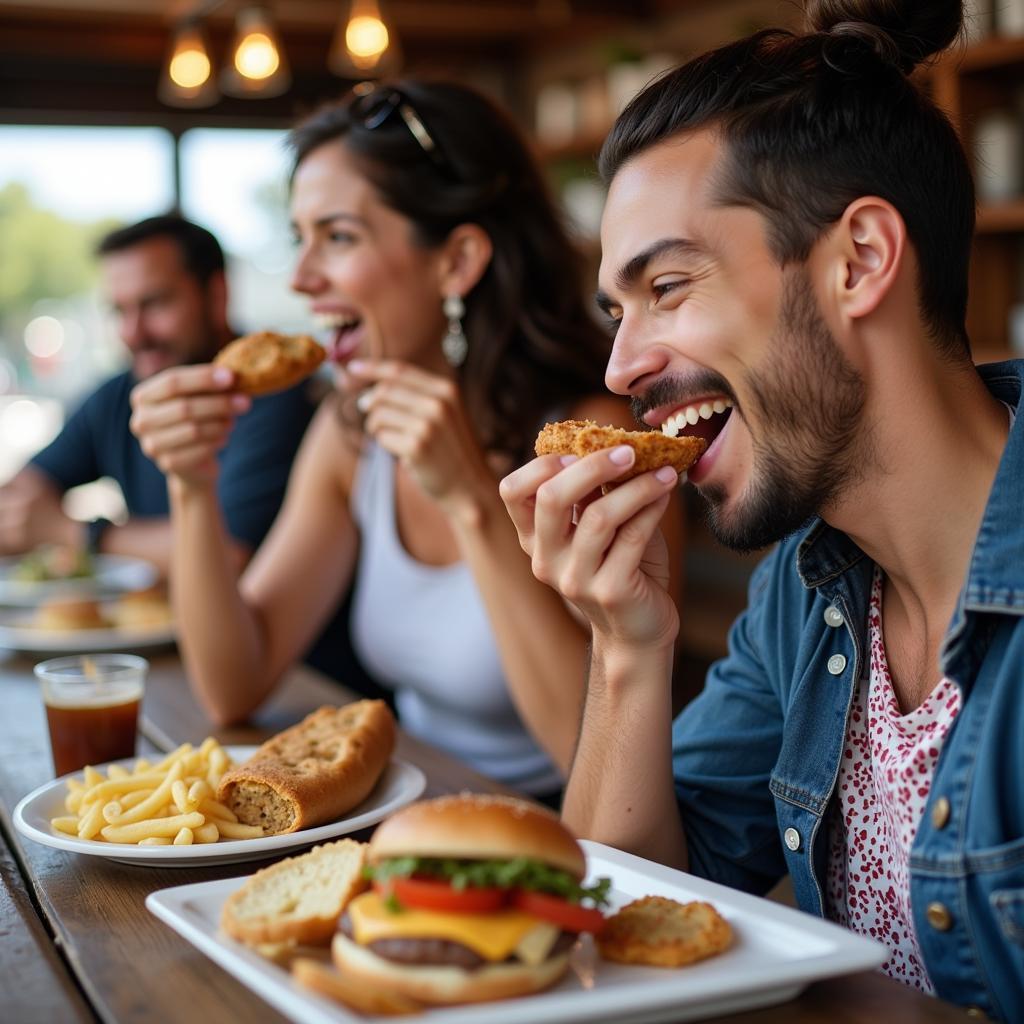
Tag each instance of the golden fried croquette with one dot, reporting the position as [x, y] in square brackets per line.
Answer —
[266, 361]
[653, 448]
[660, 932]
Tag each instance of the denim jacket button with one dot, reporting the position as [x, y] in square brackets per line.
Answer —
[833, 616]
[939, 917]
[836, 664]
[940, 812]
[976, 1013]
[792, 839]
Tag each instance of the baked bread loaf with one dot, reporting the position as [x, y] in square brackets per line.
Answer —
[66, 613]
[653, 448]
[313, 772]
[661, 932]
[141, 608]
[298, 900]
[267, 361]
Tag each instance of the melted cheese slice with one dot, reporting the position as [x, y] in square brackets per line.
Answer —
[493, 936]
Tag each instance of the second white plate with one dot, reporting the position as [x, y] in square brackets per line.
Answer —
[400, 784]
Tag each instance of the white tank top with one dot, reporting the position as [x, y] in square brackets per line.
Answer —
[423, 630]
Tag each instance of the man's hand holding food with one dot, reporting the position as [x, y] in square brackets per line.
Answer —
[602, 552]
[183, 416]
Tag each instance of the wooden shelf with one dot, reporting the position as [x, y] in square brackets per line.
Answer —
[989, 54]
[1001, 218]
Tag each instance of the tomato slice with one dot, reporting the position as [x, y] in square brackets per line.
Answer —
[571, 917]
[432, 894]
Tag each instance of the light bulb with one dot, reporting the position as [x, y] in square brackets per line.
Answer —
[256, 56]
[189, 68]
[366, 37]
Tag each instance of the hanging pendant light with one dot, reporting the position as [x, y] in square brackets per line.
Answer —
[257, 66]
[187, 77]
[364, 46]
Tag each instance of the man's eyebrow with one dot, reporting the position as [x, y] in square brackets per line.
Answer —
[628, 273]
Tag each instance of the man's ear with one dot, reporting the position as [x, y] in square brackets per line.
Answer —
[871, 246]
[466, 255]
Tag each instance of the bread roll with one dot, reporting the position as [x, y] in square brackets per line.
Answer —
[298, 900]
[313, 772]
[65, 613]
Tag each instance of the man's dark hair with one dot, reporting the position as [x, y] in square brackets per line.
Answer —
[201, 253]
[812, 122]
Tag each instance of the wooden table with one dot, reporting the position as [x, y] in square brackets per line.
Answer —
[77, 944]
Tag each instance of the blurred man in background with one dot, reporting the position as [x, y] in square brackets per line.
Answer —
[164, 279]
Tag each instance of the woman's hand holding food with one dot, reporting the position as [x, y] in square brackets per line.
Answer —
[182, 418]
[419, 417]
[604, 553]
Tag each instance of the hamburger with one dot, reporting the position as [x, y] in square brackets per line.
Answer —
[473, 898]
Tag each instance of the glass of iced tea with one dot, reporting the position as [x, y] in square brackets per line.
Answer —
[92, 707]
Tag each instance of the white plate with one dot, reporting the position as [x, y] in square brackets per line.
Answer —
[112, 574]
[400, 784]
[16, 634]
[777, 952]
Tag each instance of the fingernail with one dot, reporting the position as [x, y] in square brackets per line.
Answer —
[222, 375]
[622, 456]
[240, 402]
[364, 400]
[568, 460]
[357, 365]
[667, 475]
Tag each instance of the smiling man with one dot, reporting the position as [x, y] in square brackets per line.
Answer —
[785, 253]
[164, 280]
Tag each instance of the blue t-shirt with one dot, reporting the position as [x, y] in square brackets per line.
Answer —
[254, 464]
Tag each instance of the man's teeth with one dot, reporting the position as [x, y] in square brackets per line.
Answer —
[690, 414]
[334, 321]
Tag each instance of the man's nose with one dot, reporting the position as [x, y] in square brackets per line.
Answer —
[636, 355]
[131, 329]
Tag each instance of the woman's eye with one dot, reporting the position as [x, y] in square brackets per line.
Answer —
[612, 324]
[342, 237]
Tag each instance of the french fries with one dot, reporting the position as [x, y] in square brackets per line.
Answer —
[168, 803]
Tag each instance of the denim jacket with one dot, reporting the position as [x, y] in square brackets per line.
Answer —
[756, 756]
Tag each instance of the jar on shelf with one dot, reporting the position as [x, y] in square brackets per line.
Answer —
[998, 156]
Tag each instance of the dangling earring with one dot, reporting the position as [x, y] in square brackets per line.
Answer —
[454, 344]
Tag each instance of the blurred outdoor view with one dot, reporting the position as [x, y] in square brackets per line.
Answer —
[61, 189]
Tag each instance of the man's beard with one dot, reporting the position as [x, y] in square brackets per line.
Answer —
[809, 401]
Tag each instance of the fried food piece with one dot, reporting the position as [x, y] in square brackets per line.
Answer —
[660, 932]
[358, 995]
[267, 361]
[653, 448]
[65, 613]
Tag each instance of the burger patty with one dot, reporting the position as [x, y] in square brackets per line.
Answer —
[438, 952]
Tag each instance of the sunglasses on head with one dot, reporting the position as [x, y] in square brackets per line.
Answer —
[372, 105]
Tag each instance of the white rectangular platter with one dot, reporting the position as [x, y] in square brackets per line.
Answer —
[777, 952]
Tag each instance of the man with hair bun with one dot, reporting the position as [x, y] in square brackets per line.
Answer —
[786, 240]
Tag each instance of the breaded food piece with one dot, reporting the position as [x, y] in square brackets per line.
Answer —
[267, 361]
[313, 772]
[653, 448]
[660, 932]
[142, 608]
[298, 900]
[66, 613]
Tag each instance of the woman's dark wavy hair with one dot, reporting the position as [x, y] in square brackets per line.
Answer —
[533, 345]
[812, 122]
